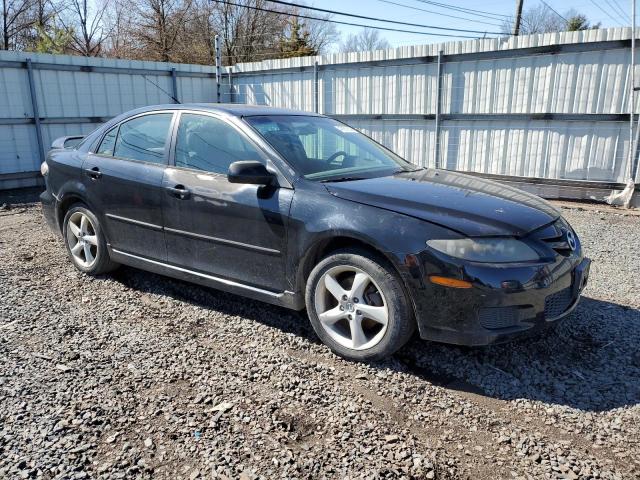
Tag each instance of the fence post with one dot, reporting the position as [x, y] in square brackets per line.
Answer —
[174, 85]
[316, 92]
[230, 71]
[633, 146]
[438, 110]
[34, 107]
[636, 153]
[218, 67]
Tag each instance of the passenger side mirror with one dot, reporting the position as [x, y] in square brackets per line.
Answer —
[250, 172]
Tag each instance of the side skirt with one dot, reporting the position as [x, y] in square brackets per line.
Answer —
[284, 299]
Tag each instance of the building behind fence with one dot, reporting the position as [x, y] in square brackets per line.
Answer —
[553, 107]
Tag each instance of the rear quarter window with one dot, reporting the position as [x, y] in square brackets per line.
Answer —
[108, 142]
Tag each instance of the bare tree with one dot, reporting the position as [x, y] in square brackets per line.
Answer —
[249, 35]
[164, 30]
[119, 22]
[15, 20]
[367, 39]
[159, 25]
[86, 27]
[541, 19]
[322, 35]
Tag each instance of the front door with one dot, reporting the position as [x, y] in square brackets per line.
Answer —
[232, 231]
[123, 180]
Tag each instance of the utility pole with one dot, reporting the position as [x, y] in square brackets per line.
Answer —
[516, 23]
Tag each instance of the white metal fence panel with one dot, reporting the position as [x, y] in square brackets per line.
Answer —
[556, 107]
[586, 82]
[76, 94]
[554, 113]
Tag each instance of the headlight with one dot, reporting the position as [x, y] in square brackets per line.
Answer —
[489, 250]
[44, 169]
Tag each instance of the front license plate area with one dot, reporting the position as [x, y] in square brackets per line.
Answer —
[581, 276]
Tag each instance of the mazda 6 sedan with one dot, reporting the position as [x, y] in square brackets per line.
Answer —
[303, 211]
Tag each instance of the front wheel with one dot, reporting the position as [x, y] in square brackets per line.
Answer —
[357, 305]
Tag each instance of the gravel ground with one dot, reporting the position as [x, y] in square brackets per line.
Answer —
[136, 375]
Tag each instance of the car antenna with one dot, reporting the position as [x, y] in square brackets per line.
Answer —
[162, 89]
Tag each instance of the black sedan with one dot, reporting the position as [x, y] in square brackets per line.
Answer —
[300, 210]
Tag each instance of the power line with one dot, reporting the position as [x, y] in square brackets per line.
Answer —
[319, 19]
[479, 13]
[439, 13]
[624, 13]
[605, 12]
[364, 17]
[618, 11]
[552, 9]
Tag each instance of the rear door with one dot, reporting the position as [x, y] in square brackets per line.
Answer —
[231, 231]
[123, 180]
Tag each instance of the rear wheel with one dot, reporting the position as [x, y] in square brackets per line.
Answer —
[85, 241]
[357, 305]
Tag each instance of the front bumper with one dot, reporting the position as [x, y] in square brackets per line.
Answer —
[506, 302]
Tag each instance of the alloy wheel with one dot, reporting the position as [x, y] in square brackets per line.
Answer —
[82, 239]
[351, 307]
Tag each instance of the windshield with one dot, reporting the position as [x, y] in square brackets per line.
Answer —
[322, 149]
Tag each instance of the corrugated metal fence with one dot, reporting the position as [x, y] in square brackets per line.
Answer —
[552, 106]
[60, 95]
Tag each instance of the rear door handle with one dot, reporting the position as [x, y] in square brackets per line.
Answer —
[179, 191]
[94, 172]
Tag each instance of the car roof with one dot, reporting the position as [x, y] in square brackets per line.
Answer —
[232, 109]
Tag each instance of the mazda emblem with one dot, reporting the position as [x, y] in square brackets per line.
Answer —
[571, 239]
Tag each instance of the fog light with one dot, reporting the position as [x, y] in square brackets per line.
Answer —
[449, 282]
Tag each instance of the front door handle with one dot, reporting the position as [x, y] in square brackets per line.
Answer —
[94, 172]
[179, 191]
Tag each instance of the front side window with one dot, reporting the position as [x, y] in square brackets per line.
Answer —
[143, 138]
[323, 149]
[210, 144]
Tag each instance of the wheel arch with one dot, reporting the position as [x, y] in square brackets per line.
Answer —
[326, 245]
[65, 203]
[69, 195]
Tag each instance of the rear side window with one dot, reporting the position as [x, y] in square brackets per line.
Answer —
[143, 138]
[108, 142]
[209, 144]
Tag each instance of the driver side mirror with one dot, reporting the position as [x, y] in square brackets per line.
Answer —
[250, 172]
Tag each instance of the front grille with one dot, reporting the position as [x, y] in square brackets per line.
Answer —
[555, 235]
[498, 317]
[558, 303]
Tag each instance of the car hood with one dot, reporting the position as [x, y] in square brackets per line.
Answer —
[468, 204]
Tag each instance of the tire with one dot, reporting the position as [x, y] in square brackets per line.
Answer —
[85, 241]
[336, 310]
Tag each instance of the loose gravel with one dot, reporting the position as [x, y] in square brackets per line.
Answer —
[133, 375]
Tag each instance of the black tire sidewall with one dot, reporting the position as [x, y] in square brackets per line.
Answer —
[102, 263]
[401, 323]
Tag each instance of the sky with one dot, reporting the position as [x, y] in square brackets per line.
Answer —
[606, 14]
